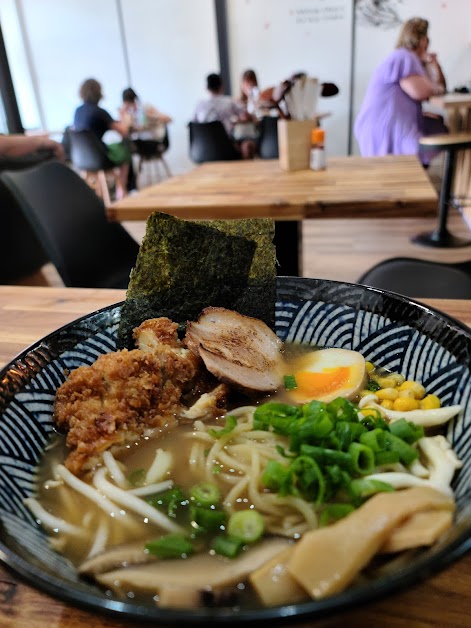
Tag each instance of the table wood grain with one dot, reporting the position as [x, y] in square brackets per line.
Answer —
[391, 187]
[26, 315]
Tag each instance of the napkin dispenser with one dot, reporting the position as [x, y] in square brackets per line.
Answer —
[294, 143]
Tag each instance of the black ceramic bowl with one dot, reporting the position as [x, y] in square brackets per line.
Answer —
[387, 329]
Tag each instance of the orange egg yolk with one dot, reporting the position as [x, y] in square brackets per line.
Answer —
[318, 384]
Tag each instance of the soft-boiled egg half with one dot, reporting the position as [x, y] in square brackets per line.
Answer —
[327, 374]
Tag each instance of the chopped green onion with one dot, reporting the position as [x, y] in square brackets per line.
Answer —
[347, 432]
[375, 440]
[205, 494]
[407, 454]
[137, 477]
[363, 459]
[170, 546]
[280, 416]
[290, 382]
[308, 478]
[277, 477]
[327, 456]
[207, 519]
[343, 410]
[334, 512]
[406, 430]
[386, 457]
[362, 488]
[171, 499]
[231, 423]
[373, 385]
[227, 546]
[246, 525]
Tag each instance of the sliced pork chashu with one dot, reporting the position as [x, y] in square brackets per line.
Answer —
[237, 349]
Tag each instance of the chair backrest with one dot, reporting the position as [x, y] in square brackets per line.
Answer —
[66, 143]
[21, 252]
[87, 152]
[69, 219]
[268, 140]
[209, 142]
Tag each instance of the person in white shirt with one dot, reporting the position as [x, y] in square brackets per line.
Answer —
[226, 110]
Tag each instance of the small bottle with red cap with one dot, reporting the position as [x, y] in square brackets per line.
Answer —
[317, 159]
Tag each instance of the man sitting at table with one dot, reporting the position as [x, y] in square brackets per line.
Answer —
[223, 108]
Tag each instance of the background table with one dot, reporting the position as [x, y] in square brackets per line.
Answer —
[27, 314]
[392, 186]
[456, 109]
[350, 187]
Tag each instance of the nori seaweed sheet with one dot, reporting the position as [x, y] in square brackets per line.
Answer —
[258, 299]
[184, 266]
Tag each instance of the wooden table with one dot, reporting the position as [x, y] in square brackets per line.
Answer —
[26, 314]
[392, 186]
[389, 187]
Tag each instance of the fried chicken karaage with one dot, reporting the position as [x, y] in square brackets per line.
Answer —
[126, 394]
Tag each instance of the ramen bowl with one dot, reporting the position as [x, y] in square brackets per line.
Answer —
[389, 330]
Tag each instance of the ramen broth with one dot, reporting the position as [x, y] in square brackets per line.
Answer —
[190, 447]
[74, 508]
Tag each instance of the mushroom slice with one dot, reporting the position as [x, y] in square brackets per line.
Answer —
[237, 349]
[118, 556]
[197, 572]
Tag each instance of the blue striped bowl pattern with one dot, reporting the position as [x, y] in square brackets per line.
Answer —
[387, 329]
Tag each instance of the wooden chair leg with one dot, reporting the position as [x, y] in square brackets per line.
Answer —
[105, 193]
[165, 165]
[90, 179]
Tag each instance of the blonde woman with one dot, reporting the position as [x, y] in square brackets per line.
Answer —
[390, 120]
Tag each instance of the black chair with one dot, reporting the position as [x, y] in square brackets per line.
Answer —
[89, 156]
[268, 140]
[209, 141]
[21, 252]
[69, 220]
[451, 144]
[151, 151]
[421, 278]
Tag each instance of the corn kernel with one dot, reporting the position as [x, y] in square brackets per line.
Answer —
[369, 412]
[404, 404]
[369, 367]
[387, 393]
[365, 393]
[386, 382]
[415, 387]
[397, 377]
[388, 404]
[430, 402]
[407, 394]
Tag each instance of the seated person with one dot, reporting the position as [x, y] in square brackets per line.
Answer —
[17, 145]
[390, 121]
[142, 117]
[249, 92]
[223, 108]
[91, 117]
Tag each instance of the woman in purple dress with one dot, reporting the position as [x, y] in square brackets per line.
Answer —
[390, 121]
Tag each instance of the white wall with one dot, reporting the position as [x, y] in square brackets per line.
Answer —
[449, 32]
[171, 49]
[71, 41]
[279, 38]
